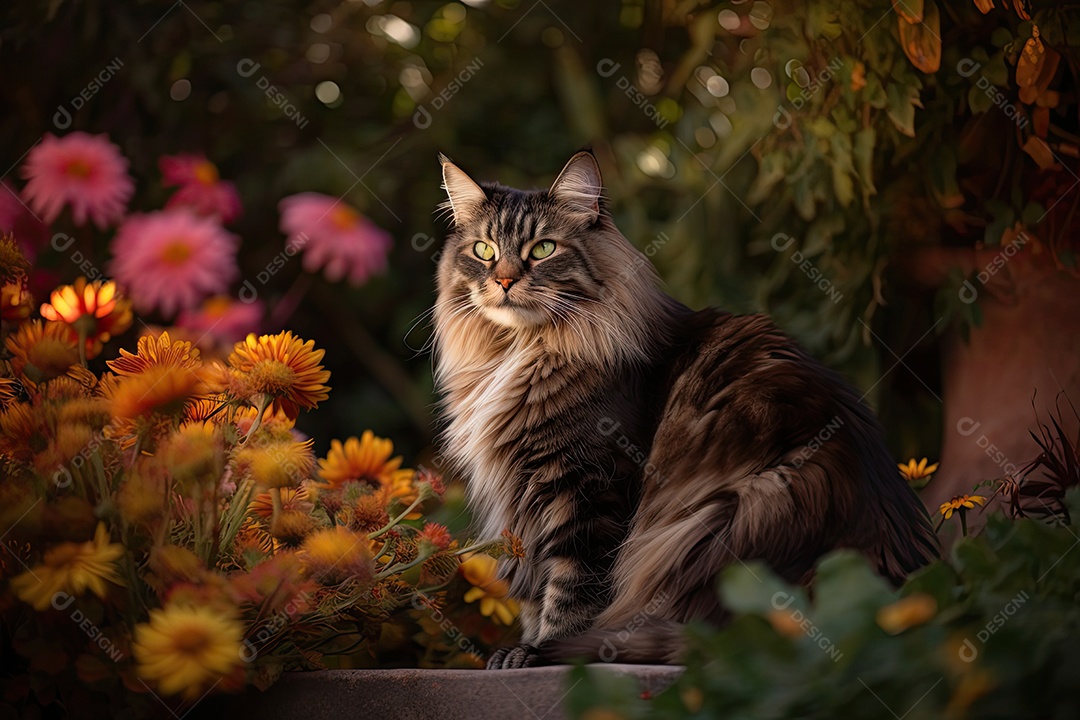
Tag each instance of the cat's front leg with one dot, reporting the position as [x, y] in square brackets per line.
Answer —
[567, 607]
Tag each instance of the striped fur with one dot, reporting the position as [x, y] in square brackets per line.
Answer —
[637, 447]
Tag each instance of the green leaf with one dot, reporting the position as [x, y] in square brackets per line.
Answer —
[863, 154]
[753, 588]
[843, 185]
[901, 108]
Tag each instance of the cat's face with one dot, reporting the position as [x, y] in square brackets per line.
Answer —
[523, 259]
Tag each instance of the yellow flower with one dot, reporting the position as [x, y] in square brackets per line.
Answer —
[43, 351]
[906, 613]
[23, 429]
[918, 474]
[71, 568]
[195, 455]
[151, 351]
[187, 650]
[337, 554]
[278, 464]
[159, 389]
[367, 460]
[291, 527]
[282, 367]
[94, 309]
[479, 569]
[961, 501]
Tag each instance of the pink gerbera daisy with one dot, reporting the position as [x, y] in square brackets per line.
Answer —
[84, 171]
[334, 237]
[225, 320]
[200, 187]
[171, 260]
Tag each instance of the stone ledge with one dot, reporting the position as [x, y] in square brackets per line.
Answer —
[421, 694]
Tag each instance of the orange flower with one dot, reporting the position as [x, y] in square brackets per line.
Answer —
[367, 460]
[161, 389]
[43, 351]
[337, 554]
[151, 351]
[296, 499]
[282, 367]
[960, 502]
[435, 534]
[94, 309]
[907, 612]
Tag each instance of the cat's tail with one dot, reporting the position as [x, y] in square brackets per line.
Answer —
[657, 642]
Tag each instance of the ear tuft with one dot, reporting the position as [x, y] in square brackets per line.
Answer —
[463, 195]
[579, 184]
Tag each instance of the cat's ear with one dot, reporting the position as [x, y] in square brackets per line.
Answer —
[579, 184]
[463, 196]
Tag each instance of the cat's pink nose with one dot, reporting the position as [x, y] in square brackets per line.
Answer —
[506, 283]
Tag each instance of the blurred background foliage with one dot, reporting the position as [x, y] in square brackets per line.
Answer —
[769, 156]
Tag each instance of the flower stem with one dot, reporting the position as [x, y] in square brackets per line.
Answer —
[389, 526]
[275, 499]
[963, 522]
[264, 402]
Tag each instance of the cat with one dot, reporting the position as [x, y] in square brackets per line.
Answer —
[637, 447]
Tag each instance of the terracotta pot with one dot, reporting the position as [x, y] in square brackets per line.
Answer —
[1010, 371]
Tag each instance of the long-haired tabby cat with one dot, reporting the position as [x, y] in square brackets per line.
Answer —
[635, 446]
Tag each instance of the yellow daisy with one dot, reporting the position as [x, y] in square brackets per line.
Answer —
[151, 351]
[282, 367]
[71, 568]
[187, 650]
[367, 460]
[960, 502]
[480, 570]
[917, 473]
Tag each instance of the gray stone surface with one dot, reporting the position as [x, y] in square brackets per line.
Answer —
[412, 693]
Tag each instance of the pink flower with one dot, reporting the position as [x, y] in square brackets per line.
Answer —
[222, 318]
[86, 171]
[170, 260]
[200, 187]
[334, 236]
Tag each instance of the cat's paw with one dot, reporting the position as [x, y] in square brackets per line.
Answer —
[512, 658]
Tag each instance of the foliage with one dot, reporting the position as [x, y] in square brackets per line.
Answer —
[990, 632]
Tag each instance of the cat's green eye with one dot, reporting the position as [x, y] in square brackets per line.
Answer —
[483, 251]
[542, 249]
